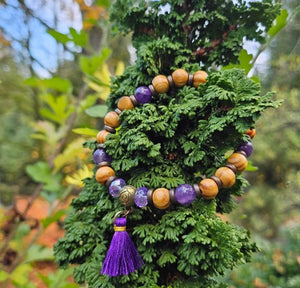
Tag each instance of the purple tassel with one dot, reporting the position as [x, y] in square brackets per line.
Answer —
[122, 257]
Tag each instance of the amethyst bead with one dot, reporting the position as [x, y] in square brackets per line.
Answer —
[143, 94]
[247, 147]
[185, 194]
[116, 186]
[100, 155]
[140, 197]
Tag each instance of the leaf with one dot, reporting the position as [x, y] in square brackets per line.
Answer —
[80, 39]
[103, 3]
[86, 131]
[38, 253]
[20, 276]
[55, 83]
[97, 111]
[279, 23]
[3, 276]
[62, 38]
[245, 60]
[49, 220]
[90, 65]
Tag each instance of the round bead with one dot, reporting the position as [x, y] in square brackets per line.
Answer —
[199, 78]
[100, 155]
[103, 173]
[247, 147]
[251, 132]
[125, 103]
[140, 197]
[238, 160]
[226, 175]
[112, 119]
[143, 95]
[115, 187]
[180, 77]
[101, 136]
[161, 198]
[209, 188]
[185, 194]
[126, 195]
[161, 84]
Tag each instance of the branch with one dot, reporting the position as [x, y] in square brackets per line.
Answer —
[200, 52]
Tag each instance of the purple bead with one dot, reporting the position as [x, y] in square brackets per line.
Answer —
[100, 155]
[140, 197]
[143, 95]
[115, 187]
[247, 147]
[185, 194]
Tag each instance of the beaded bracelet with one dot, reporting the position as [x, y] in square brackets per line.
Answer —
[162, 198]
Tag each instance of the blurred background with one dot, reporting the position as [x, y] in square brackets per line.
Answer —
[56, 62]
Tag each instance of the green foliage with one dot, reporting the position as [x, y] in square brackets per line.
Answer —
[275, 266]
[182, 246]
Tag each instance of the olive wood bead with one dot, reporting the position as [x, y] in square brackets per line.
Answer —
[149, 196]
[112, 119]
[172, 196]
[103, 174]
[238, 160]
[125, 103]
[180, 77]
[101, 136]
[232, 167]
[110, 129]
[226, 175]
[197, 190]
[110, 179]
[161, 198]
[199, 78]
[161, 84]
[209, 188]
[217, 180]
[171, 82]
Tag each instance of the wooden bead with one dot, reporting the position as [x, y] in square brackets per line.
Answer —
[103, 174]
[251, 132]
[238, 160]
[226, 175]
[209, 188]
[161, 198]
[180, 77]
[101, 136]
[125, 103]
[112, 119]
[161, 84]
[199, 78]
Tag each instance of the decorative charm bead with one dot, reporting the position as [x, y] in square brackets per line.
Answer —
[101, 136]
[153, 92]
[133, 99]
[112, 119]
[197, 190]
[125, 103]
[161, 198]
[209, 188]
[149, 196]
[109, 180]
[103, 173]
[232, 167]
[172, 196]
[115, 187]
[126, 195]
[185, 194]
[118, 111]
[191, 80]
[226, 175]
[171, 82]
[104, 163]
[217, 180]
[110, 129]
[238, 160]
[140, 197]
[199, 78]
[247, 147]
[143, 95]
[100, 155]
[180, 77]
[161, 84]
